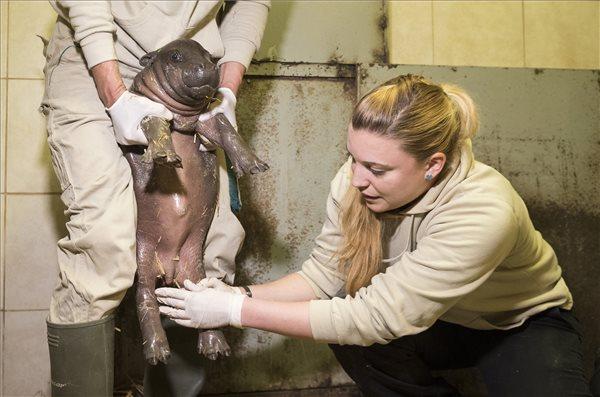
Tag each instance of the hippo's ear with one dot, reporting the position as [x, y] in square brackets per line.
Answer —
[148, 59]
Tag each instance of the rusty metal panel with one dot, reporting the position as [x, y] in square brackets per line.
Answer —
[324, 32]
[540, 129]
[298, 125]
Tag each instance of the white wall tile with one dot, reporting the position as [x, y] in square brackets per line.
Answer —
[1, 351]
[478, 33]
[3, 37]
[2, 252]
[3, 107]
[410, 32]
[29, 168]
[34, 223]
[25, 358]
[26, 20]
[562, 34]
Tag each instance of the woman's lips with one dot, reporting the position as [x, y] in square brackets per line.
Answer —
[367, 197]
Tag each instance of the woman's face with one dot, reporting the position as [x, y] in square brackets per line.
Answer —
[383, 172]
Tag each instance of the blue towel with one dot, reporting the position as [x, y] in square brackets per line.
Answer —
[234, 190]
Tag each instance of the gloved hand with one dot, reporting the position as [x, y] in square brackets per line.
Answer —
[227, 107]
[206, 308]
[213, 282]
[127, 113]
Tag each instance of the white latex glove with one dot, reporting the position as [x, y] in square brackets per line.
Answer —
[213, 282]
[208, 308]
[227, 107]
[127, 113]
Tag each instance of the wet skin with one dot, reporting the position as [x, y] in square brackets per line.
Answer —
[176, 184]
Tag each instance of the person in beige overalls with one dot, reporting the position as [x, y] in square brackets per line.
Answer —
[91, 59]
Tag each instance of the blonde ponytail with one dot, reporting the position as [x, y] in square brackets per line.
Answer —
[469, 120]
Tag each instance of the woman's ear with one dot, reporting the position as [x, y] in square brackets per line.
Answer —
[435, 165]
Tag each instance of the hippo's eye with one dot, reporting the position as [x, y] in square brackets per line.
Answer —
[176, 57]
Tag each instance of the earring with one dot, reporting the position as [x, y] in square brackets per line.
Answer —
[428, 177]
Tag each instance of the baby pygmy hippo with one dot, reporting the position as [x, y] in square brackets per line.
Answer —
[176, 184]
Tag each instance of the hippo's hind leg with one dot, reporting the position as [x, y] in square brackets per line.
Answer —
[211, 343]
[154, 340]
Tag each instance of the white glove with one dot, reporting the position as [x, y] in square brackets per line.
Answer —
[127, 113]
[227, 107]
[208, 308]
[213, 282]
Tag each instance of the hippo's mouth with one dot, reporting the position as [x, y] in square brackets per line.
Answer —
[203, 92]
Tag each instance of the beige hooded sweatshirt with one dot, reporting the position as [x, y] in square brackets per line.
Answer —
[465, 253]
[127, 30]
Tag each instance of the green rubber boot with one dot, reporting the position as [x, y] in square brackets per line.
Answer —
[81, 358]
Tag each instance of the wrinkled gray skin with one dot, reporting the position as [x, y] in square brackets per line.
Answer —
[176, 193]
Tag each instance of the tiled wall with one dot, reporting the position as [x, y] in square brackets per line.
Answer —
[562, 34]
[31, 215]
[505, 33]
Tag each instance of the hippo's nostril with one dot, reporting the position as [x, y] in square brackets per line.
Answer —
[200, 76]
[200, 70]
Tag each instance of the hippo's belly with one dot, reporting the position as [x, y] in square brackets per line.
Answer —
[175, 209]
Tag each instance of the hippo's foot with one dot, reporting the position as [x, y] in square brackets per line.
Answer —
[156, 348]
[160, 143]
[212, 344]
[249, 164]
[163, 156]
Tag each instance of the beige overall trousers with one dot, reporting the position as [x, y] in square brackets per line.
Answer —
[96, 258]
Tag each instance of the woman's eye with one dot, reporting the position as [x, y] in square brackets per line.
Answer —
[376, 172]
[176, 57]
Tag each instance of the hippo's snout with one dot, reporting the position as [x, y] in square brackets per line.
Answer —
[201, 75]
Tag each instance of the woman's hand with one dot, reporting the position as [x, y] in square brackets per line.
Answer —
[213, 282]
[200, 307]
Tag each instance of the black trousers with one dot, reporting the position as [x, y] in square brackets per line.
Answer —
[543, 357]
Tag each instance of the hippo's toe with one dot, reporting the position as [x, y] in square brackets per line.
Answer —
[168, 158]
[212, 344]
[259, 166]
[252, 165]
[157, 350]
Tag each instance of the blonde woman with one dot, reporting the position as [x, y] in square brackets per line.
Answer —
[427, 260]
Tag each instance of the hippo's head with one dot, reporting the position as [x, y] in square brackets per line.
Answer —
[183, 72]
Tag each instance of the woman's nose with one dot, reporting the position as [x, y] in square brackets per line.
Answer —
[359, 180]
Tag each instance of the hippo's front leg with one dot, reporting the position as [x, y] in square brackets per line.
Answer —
[220, 131]
[160, 143]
